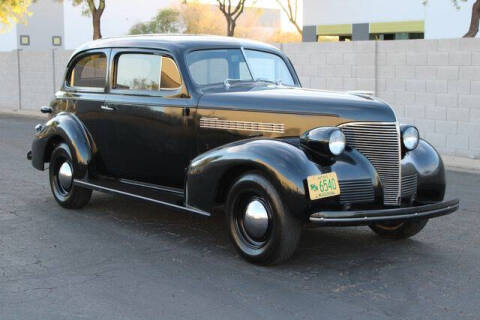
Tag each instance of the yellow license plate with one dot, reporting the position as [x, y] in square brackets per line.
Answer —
[323, 186]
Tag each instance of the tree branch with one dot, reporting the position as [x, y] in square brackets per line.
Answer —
[231, 16]
[291, 14]
[91, 6]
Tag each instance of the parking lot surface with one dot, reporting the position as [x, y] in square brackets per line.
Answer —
[124, 259]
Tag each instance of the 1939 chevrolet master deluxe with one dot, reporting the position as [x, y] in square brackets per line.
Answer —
[198, 123]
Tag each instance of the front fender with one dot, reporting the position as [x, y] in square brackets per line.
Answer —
[430, 171]
[285, 164]
[68, 128]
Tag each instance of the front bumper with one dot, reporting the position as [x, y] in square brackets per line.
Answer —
[366, 217]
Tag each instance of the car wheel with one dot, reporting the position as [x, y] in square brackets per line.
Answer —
[61, 180]
[399, 230]
[260, 225]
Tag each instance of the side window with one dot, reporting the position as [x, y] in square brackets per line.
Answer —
[89, 71]
[146, 72]
[138, 72]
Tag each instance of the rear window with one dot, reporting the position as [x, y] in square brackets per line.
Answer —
[89, 71]
[146, 72]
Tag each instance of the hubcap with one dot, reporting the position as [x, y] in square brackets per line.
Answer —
[256, 219]
[65, 176]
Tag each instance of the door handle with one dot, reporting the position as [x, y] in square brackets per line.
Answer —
[107, 108]
[46, 109]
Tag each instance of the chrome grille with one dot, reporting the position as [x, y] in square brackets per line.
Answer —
[409, 185]
[380, 143]
[356, 191]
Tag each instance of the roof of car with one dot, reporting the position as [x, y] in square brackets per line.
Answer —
[175, 42]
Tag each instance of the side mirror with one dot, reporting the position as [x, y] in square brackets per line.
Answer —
[46, 109]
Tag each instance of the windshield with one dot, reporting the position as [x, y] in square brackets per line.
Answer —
[218, 66]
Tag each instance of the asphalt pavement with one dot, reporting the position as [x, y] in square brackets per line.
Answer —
[120, 258]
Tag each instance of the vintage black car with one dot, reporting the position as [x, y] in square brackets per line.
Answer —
[206, 124]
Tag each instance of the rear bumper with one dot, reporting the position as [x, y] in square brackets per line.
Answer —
[365, 217]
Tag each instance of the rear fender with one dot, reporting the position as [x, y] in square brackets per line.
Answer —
[68, 128]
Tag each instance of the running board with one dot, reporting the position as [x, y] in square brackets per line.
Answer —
[157, 195]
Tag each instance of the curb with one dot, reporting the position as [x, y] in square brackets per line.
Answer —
[24, 113]
[461, 164]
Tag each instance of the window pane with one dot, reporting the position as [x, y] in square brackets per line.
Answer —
[171, 78]
[216, 66]
[138, 72]
[89, 71]
[268, 66]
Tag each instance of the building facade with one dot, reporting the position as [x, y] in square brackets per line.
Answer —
[59, 24]
[341, 20]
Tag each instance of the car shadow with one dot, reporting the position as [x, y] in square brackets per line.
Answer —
[320, 247]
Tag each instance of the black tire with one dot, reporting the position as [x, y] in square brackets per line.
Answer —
[399, 230]
[284, 230]
[72, 197]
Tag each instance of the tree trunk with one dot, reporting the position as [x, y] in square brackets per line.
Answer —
[231, 27]
[473, 30]
[97, 34]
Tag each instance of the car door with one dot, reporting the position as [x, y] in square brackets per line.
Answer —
[85, 92]
[153, 114]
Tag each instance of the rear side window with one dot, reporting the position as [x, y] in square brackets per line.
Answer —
[89, 71]
[146, 72]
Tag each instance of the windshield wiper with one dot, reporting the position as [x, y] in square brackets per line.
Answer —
[229, 82]
[277, 82]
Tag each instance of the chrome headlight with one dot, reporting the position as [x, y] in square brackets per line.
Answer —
[410, 137]
[324, 141]
[336, 142]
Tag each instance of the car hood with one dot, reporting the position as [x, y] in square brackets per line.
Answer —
[294, 100]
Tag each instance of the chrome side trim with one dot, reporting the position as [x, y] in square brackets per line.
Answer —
[215, 123]
[152, 186]
[89, 185]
